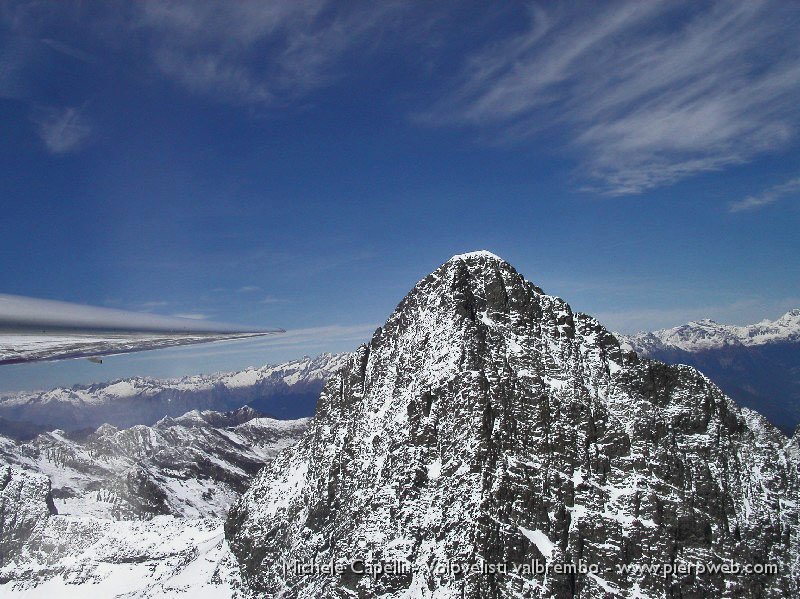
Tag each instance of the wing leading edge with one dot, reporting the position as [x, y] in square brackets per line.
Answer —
[34, 329]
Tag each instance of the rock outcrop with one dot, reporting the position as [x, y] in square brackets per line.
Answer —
[25, 505]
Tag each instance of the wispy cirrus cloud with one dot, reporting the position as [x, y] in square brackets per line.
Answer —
[62, 130]
[767, 197]
[153, 304]
[69, 50]
[255, 52]
[191, 315]
[250, 53]
[644, 93]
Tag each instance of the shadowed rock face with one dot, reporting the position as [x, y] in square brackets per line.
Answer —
[25, 505]
[488, 422]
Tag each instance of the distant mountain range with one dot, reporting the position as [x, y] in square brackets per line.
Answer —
[757, 365]
[288, 390]
[125, 485]
[706, 334]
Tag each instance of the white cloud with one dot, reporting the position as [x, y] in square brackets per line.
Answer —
[62, 130]
[248, 288]
[770, 196]
[153, 304]
[247, 52]
[191, 315]
[257, 52]
[648, 93]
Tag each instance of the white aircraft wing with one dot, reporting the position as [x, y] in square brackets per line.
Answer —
[34, 329]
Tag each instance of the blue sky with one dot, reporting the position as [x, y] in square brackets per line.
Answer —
[303, 164]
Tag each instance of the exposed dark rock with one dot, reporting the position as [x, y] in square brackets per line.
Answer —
[25, 505]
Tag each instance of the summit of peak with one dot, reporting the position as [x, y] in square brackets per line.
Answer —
[702, 322]
[478, 254]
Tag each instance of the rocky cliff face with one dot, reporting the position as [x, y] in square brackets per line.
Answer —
[486, 423]
[25, 505]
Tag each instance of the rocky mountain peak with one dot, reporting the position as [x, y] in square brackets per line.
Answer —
[476, 307]
[791, 317]
[487, 423]
[478, 255]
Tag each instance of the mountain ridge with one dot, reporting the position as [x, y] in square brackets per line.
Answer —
[135, 512]
[706, 334]
[191, 466]
[286, 390]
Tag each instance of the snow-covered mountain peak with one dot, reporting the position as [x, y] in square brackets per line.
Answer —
[478, 255]
[792, 317]
[134, 512]
[192, 465]
[707, 334]
[106, 429]
[486, 422]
